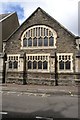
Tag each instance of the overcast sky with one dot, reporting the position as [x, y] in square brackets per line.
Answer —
[64, 11]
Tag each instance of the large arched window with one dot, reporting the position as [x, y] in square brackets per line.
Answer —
[40, 36]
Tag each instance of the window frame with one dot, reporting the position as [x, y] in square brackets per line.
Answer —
[13, 58]
[38, 58]
[65, 59]
[33, 31]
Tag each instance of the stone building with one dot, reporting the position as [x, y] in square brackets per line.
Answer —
[42, 51]
[7, 27]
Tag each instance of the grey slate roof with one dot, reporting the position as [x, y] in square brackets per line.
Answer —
[3, 16]
[7, 24]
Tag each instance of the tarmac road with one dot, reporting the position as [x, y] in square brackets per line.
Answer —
[32, 105]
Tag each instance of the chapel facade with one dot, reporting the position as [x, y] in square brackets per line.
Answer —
[42, 51]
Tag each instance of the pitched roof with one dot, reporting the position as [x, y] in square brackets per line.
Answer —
[46, 15]
[3, 16]
[8, 26]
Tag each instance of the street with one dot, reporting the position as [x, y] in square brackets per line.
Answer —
[32, 105]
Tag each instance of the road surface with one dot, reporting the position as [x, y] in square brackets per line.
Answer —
[31, 105]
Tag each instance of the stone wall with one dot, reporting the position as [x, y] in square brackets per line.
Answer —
[65, 44]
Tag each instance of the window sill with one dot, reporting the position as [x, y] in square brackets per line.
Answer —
[35, 47]
[65, 71]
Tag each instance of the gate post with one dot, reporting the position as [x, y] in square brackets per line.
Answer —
[56, 72]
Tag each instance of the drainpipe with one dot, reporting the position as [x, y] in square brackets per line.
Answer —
[24, 69]
[56, 72]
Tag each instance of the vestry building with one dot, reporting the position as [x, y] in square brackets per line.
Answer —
[42, 51]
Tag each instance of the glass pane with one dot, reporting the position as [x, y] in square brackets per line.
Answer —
[24, 42]
[46, 32]
[66, 57]
[46, 41]
[45, 64]
[33, 32]
[61, 65]
[15, 64]
[35, 42]
[40, 42]
[29, 65]
[51, 41]
[39, 65]
[38, 31]
[10, 64]
[28, 33]
[67, 65]
[16, 57]
[11, 57]
[41, 31]
[69, 57]
[29, 42]
[34, 65]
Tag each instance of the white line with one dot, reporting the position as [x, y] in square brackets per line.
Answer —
[3, 113]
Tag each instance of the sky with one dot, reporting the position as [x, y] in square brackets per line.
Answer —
[64, 11]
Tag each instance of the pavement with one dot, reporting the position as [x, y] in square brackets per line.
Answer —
[54, 90]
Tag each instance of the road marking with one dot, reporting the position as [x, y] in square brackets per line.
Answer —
[37, 117]
[5, 113]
